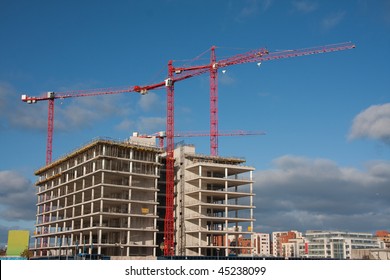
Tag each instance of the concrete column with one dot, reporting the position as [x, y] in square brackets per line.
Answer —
[81, 242]
[128, 242]
[226, 178]
[102, 192]
[99, 241]
[200, 239]
[92, 198]
[251, 199]
[226, 239]
[90, 242]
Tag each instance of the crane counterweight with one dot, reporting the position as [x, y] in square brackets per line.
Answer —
[51, 95]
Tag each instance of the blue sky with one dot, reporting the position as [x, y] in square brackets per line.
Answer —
[325, 160]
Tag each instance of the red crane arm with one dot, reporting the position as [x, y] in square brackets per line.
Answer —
[92, 92]
[51, 96]
[263, 54]
[302, 52]
[220, 133]
[110, 91]
[162, 134]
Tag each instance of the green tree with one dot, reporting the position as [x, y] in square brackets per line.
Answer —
[26, 254]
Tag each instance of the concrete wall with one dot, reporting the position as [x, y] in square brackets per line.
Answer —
[370, 254]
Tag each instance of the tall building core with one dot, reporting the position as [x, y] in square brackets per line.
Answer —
[99, 199]
[214, 204]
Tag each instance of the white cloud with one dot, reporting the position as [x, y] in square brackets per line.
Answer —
[308, 193]
[69, 114]
[150, 101]
[5, 90]
[126, 125]
[226, 79]
[86, 112]
[266, 4]
[374, 122]
[305, 6]
[143, 125]
[333, 20]
[252, 8]
[17, 196]
[151, 124]
[15, 113]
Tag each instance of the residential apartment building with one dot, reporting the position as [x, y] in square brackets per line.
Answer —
[384, 235]
[99, 199]
[338, 244]
[261, 244]
[281, 237]
[294, 248]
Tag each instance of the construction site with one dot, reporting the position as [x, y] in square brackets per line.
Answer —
[105, 199]
[139, 198]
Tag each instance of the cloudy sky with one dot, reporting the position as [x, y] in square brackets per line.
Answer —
[324, 162]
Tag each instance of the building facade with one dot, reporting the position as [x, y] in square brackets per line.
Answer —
[99, 199]
[281, 237]
[384, 235]
[261, 244]
[338, 244]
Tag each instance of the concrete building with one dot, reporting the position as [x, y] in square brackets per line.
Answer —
[338, 244]
[261, 244]
[294, 248]
[108, 198]
[99, 199]
[384, 235]
[214, 202]
[370, 254]
[281, 237]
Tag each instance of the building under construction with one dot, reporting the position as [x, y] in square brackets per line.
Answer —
[108, 198]
[214, 203]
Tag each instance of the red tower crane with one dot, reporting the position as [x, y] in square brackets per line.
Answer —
[51, 96]
[257, 55]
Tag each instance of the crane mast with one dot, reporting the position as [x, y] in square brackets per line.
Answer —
[213, 103]
[170, 161]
